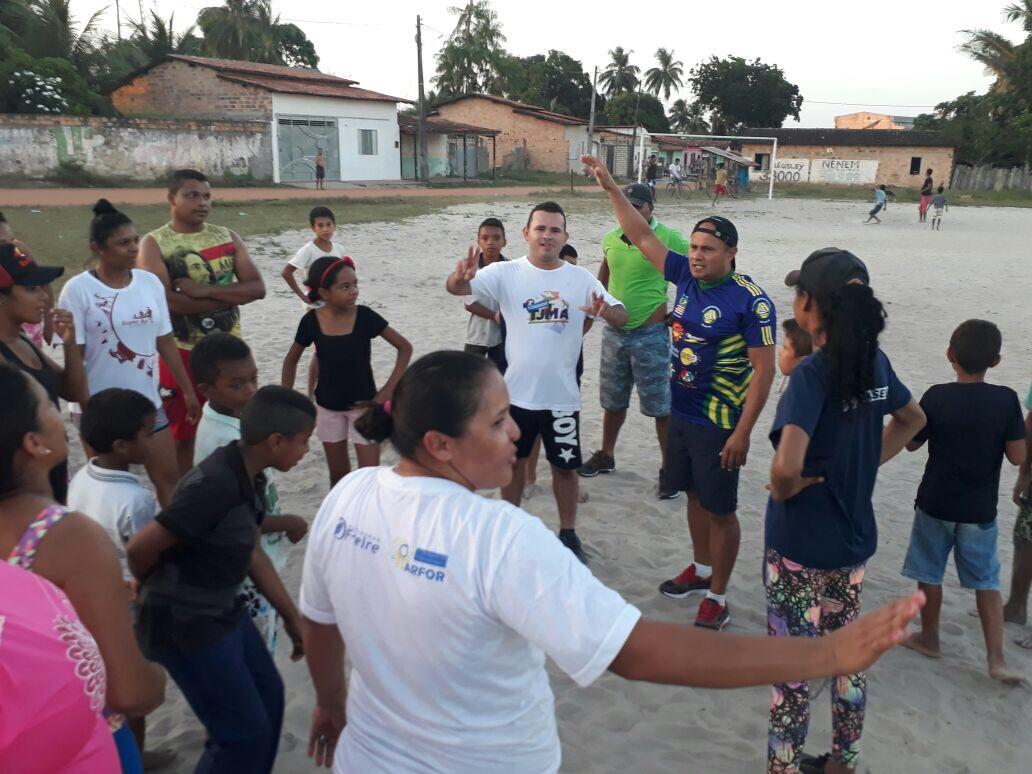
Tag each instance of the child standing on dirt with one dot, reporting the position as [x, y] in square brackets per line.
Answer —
[342, 331]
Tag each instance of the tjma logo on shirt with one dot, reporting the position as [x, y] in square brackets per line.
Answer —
[361, 540]
[422, 563]
[549, 308]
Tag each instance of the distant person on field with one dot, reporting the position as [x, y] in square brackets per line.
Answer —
[939, 203]
[719, 184]
[320, 169]
[971, 426]
[880, 198]
[926, 197]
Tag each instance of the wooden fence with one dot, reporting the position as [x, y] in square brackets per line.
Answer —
[987, 178]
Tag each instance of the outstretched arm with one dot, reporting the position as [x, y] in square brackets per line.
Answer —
[465, 270]
[633, 224]
[904, 425]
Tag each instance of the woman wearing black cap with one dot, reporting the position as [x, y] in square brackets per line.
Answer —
[722, 331]
[830, 438]
[24, 299]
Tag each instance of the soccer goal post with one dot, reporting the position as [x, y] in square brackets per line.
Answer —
[661, 136]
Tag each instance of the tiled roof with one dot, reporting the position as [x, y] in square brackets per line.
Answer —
[340, 90]
[437, 125]
[253, 68]
[860, 137]
[522, 108]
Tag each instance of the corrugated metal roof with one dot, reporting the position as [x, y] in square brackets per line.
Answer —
[742, 160]
[340, 90]
[437, 125]
[254, 68]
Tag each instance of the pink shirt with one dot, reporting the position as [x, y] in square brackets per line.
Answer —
[52, 683]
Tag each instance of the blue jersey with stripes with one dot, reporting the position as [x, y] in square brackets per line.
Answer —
[712, 328]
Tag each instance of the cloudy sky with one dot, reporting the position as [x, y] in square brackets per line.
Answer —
[896, 57]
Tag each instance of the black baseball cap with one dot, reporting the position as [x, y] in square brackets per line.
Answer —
[639, 194]
[827, 270]
[722, 228]
[18, 268]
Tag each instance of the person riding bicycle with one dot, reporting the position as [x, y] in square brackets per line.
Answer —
[676, 172]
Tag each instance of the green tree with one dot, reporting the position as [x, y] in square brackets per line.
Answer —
[620, 75]
[739, 93]
[470, 59]
[52, 31]
[625, 108]
[247, 29]
[666, 76]
[688, 118]
[996, 53]
[156, 38]
[30, 84]
[555, 82]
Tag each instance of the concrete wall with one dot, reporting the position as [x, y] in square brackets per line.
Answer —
[176, 89]
[437, 151]
[546, 143]
[351, 116]
[34, 146]
[893, 162]
[865, 120]
[577, 143]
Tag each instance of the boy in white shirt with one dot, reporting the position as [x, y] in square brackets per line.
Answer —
[117, 425]
[324, 225]
[548, 305]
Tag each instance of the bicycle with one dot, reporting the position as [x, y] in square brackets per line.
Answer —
[678, 189]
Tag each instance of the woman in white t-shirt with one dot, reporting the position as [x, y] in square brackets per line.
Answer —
[448, 602]
[122, 325]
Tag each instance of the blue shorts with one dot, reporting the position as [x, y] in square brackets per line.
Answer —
[973, 546]
[640, 358]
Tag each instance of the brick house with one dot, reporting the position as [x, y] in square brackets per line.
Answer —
[865, 120]
[528, 136]
[452, 149]
[304, 110]
[853, 156]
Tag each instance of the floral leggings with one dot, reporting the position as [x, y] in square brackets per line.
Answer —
[807, 602]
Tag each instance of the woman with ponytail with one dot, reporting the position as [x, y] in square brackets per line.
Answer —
[830, 438]
[122, 325]
[448, 601]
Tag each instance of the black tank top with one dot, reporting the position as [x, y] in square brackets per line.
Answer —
[50, 381]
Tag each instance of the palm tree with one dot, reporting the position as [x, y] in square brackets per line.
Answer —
[688, 118]
[995, 52]
[470, 60]
[666, 77]
[247, 29]
[620, 75]
[52, 33]
[157, 38]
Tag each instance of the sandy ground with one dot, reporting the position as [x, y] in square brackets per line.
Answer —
[923, 716]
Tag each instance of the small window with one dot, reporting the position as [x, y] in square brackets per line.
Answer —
[915, 165]
[763, 160]
[367, 142]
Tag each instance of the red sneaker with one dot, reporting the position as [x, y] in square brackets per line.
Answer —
[713, 615]
[684, 584]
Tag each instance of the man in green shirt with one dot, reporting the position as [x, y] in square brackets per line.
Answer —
[638, 354]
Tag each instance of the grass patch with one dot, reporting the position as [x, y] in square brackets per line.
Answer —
[903, 195]
[516, 177]
[59, 235]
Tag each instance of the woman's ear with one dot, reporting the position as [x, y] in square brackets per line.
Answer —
[34, 446]
[437, 445]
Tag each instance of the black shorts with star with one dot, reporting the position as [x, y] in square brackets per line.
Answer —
[559, 431]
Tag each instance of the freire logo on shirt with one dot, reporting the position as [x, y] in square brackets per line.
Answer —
[361, 540]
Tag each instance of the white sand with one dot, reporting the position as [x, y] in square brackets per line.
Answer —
[923, 716]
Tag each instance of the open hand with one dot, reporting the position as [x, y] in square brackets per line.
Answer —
[801, 483]
[735, 451]
[193, 407]
[597, 308]
[64, 326]
[327, 725]
[466, 268]
[191, 288]
[598, 170]
[858, 645]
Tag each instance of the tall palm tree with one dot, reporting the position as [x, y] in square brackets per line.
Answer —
[247, 29]
[688, 118]
[995, 52]
[156, 38]
[470, 59]
[53, 33]
[620, 75]
[666, 76]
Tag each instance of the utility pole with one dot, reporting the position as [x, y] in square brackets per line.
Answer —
[118, 19]
[422, 165]
[591, 116]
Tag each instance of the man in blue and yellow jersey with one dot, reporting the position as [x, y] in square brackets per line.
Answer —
[207, 273]
[722, 366]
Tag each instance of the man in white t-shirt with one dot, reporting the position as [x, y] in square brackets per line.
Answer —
[324, 225]
[548, 305]
[676, 172]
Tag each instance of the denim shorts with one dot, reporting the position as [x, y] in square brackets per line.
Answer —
[973, 546]
[636, 358]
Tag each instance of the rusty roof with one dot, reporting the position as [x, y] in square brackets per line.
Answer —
[437, 125]
[255, 68]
